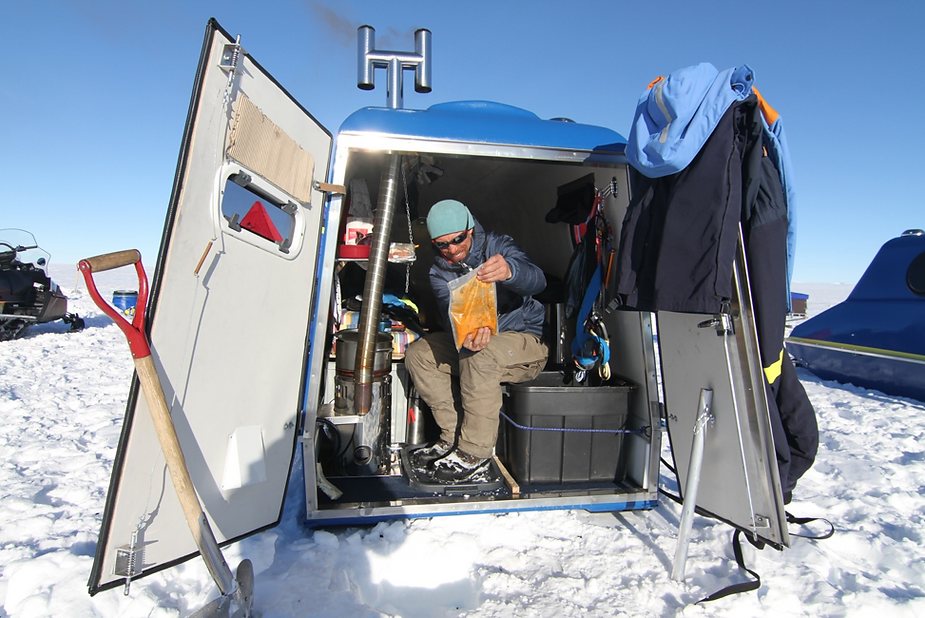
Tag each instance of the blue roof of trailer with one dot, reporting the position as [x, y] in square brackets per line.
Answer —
[484, 122]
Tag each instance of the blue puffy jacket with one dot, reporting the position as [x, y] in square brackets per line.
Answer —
[517, 309]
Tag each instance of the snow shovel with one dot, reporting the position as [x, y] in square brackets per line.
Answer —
[237, 592]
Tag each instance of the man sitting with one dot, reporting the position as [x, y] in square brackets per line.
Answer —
[469, 423]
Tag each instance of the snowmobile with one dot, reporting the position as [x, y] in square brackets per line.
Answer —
[28, 296]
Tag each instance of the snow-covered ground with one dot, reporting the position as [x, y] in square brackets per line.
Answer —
[62, 397]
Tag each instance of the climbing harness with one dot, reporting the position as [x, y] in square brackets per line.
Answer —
[591, 345]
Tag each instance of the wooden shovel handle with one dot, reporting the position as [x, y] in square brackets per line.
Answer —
[179, 474]
[134, 332]
[167, 436]
[108, 261]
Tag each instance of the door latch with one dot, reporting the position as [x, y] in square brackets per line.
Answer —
[722, 321]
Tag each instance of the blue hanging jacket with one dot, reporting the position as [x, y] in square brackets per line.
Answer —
[677, 114]
[777, 140]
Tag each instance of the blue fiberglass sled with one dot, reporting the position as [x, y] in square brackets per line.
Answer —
[876, 337]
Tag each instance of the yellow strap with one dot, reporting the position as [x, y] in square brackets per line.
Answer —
[772, 372]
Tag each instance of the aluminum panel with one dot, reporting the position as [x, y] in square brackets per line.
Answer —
[229, 328]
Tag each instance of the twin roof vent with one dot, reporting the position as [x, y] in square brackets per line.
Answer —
[369, 59]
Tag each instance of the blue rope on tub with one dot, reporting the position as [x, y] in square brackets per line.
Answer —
[641, 430]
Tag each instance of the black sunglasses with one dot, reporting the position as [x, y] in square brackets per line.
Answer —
[443, 245]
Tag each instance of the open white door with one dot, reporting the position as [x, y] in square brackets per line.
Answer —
[229, 319]
[739, 480]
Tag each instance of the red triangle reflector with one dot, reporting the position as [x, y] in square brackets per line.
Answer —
[258, 221]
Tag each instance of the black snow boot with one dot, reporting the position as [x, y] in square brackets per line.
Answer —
[424, 457]
[460, 467]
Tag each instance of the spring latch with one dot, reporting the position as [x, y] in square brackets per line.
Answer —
[722, 321]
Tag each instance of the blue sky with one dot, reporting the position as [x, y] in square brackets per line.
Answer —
[94, 95]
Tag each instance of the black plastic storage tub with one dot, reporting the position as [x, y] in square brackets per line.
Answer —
[537, 457]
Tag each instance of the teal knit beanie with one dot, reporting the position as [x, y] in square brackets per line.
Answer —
[448, 216]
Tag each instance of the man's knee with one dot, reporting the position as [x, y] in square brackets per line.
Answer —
[483, 362]
[514, 349]
[431, 352]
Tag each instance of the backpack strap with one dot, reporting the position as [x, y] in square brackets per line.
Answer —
[737, 550]
[741, 587]
[802, 521]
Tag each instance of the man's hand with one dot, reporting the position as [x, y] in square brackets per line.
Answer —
[478, 340]
[495, 268]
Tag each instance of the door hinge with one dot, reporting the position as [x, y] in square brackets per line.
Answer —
[762, 522]
[229, 60]
[130, 560]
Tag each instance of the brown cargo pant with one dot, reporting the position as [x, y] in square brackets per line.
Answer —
[473, 407]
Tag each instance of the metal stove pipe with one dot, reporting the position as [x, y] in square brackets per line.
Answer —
[372, 290]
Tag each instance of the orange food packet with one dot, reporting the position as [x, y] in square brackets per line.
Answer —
[473, 304]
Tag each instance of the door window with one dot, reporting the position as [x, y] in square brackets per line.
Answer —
[254, 212]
